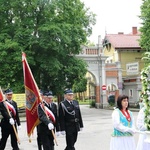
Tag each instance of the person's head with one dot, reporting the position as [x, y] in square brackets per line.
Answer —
[50, 97]
[45, 93]
[41, 93]
[123, 102]
[69, 94]
[9, 94]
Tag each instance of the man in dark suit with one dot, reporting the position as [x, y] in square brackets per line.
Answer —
[70, 119]
[10, 118]
[39, 142]
[53, 107]
[47, 113]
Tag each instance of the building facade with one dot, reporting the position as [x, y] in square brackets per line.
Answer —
[124, 51]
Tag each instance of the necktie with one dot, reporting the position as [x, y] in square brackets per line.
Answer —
[50, 106]
[9, 101]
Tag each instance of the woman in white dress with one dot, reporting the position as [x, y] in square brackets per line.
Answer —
[123, 124]
[141, 145]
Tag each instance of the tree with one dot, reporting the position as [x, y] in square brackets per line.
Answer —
[80, 87]
[145, 79]
[51, 34]
[145, 73]
[145, 29]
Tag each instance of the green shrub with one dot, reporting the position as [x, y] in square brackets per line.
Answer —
[92, 104]
[111, 100]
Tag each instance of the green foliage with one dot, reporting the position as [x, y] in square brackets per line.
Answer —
[145, 76]
[85, 102]
[80, 86]
[111, 100]
[145, 44]
[146, 58]
[145, 29]
[92, 103]
[51, 34]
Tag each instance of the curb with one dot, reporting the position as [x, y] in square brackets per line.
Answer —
[23, 117]
[131, 109]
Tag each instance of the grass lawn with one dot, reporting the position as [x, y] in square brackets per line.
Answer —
[85, 102]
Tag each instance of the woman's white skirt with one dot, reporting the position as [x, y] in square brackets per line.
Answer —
[141, 145]
[122, 143]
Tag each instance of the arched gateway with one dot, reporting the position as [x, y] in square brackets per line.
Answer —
[96, 65]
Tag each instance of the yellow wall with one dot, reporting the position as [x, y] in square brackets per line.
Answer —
[112, 54]
[126, 57]
[109, 52]
[20, 99]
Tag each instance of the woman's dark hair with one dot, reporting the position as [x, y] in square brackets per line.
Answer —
[119, 100]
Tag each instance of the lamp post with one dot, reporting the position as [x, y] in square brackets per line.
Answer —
[99, 70]
[89, 90]
[102, 74]
[89, 80]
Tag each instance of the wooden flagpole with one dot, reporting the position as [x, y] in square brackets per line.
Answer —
[39, 95]
[51, 130]
[17, 137]
[13, 124]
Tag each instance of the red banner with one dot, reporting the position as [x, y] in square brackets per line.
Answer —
[1, 95]
[33, 97]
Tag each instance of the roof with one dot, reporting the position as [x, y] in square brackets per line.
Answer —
[123, 40]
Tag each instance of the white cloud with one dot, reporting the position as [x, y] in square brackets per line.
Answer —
[114, 16]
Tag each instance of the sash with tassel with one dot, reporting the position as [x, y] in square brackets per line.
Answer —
[11, 108]
[49, 113]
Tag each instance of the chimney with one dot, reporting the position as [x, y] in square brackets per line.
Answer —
[134, 30]
[120, 33]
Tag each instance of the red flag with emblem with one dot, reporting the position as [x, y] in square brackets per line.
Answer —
[33, 97]
[1, 95]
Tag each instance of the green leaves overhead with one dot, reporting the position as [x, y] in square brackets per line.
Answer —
[51, 33]
[145, 74]
[145, 29]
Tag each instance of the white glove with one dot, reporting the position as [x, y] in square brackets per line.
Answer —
[142, 128]
[19, 127]
[81, 129]
[63, 132]
[132, 130]
[57, 133]
[50, 126]
[11, 121]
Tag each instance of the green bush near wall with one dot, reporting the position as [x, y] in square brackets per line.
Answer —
[111, 100]
[92, 103]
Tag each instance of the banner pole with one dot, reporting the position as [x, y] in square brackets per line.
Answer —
[24, 60]
[2, 98]
[51, 130]
[13, 124]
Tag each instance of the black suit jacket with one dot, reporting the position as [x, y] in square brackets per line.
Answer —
[43, 126]
[6, 116]
[54, 109]
[70, 116]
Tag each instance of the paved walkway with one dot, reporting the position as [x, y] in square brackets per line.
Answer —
[95, 135]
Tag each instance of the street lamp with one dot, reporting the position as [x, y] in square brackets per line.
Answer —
[89, 80]
[99, 69]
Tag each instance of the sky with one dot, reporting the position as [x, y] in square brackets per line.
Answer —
[114, 16]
